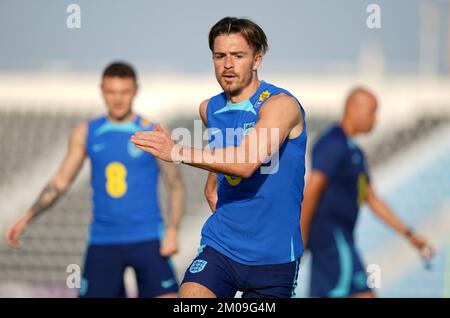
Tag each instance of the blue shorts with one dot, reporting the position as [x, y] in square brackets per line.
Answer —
[105, 265]
[224, 277]
[337, 271]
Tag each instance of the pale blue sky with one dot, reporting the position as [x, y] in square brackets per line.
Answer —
[304, 35]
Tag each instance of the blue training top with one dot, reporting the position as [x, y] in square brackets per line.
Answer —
[257, 220]
[124, 182]
[344, 164]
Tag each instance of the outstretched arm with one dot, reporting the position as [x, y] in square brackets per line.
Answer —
[57, 185]
[317, 182]
[277, 118]
[383, 211]
[175, 187]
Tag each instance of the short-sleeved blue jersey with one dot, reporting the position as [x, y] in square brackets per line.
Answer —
[344, 164]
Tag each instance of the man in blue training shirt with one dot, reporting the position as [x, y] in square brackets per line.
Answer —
[252, 241]
[337, 186]
[126, 227]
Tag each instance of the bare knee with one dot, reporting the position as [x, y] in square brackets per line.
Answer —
[195, 290]
[369, 294]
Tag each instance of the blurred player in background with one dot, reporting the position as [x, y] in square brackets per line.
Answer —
[252, 242]
[337, 186]
[127, 228]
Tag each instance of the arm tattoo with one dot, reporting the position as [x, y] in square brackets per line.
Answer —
[46, 199]
[176, 196]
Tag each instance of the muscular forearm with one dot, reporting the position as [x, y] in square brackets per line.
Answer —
[315, 186]
[309, 206]
[211, 191]
[176, 206]
[46, 199]
[231, 160]
[385, 213]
